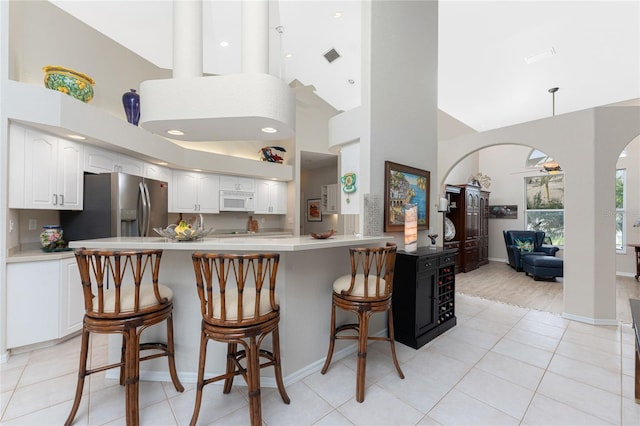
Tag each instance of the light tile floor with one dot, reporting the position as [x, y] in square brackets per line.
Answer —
[501, 365]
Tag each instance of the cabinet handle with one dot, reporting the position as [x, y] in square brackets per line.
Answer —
[62, 199]
[55, 199]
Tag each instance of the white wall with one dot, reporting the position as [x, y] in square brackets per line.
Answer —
[586, 144]
[399, 93]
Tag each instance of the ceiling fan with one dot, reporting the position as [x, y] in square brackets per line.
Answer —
[550, 166]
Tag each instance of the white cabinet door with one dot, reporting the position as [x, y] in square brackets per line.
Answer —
[329, 198]
[32, 302]
[40, 168]
[209, 193]
[153, 171]
[184, 188]
[271, 197]
[130, 165]
[98, 160]
[52, 172]
[71, 298]
[70, 176]
[279, 197]
[194, 193]
[236, 183]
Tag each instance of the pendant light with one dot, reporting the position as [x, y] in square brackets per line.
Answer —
[552, 167]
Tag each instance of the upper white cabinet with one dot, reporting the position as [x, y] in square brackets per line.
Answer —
[153, 171]
[97, 160]
[237, 183]
[329, 198]
[271, 197]
[45, 171]
[193, 192]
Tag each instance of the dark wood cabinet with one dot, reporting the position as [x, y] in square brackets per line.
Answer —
[423, 295]
[469, 214]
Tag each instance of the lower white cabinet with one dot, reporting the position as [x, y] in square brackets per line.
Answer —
[44, 301]
[71, 298]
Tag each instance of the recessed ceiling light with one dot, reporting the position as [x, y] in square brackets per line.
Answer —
[288, 55]
[224, 43]
[337, 14]
[77, 137]
[269, 130]
[175, 132]
[162, 163]
[540, 56]
[197, 170]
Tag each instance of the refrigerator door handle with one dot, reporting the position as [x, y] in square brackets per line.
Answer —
[142, 209]
[147, 223]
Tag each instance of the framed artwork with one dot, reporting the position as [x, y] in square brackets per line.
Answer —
[503, 212]
[314, 210]
[405, 185]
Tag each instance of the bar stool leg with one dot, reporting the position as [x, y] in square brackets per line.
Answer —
[332, 339]
[171, 355]
[391, 341]
[232, 349]
[278, 366]
[82, 373]
[131, 381]
[253, 379]
[200, 384]
[361, 368]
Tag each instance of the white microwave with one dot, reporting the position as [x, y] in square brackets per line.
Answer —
[236, 201]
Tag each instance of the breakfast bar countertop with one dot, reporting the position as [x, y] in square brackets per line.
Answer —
[283, 243]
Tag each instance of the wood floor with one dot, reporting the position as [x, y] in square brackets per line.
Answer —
[498, 281]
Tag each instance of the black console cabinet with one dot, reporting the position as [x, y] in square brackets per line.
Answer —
[423, 295]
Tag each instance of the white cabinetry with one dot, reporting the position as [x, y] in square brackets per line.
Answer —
[97, 160]
[153, 171]
[271, 197]
[44, 301]
[329, 198]
[71, 298]
[236, 183]
[194, 192]
[45, 171]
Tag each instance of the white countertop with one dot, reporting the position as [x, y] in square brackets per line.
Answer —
[247, 243]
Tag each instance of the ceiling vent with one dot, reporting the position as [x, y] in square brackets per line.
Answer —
[331, 55]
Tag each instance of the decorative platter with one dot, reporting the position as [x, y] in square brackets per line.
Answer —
[449, 229]
[323, 235]
[186, 235]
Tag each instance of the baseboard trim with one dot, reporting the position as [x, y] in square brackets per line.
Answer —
[588, 320]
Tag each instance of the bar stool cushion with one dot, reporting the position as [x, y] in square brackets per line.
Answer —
[127, 296]
[344, 282]
[248, 303]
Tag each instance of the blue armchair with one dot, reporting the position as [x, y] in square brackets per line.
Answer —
[526, 243]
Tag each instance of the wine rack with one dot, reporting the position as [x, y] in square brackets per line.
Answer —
[446, 293]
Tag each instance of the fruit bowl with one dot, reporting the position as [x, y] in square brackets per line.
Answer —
[188, 234]
[68, 81]
[323, 235]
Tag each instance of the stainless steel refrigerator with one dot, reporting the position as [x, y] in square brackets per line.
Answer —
[117, 204]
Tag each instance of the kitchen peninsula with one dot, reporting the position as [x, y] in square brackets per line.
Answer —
[306, 273]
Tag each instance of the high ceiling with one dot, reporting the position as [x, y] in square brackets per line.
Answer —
[589, 49]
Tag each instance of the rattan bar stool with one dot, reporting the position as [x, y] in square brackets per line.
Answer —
[367, 290]
[116, 301]
[239, 307]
